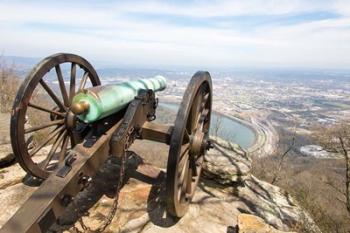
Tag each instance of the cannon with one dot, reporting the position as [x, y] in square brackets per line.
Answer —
[65, 125]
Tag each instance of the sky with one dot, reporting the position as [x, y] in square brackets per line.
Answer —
[249, 33]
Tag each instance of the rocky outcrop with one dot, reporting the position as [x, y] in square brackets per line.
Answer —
[225, 168]
[225, 194]
[4, 129]
[6, 155]
[7, 158]
[248, 223]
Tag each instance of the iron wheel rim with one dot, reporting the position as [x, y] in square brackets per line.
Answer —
[177, 205]
[22, 102]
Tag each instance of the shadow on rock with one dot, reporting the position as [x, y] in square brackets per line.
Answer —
[105, 182]
[156, 204]
[32, 181]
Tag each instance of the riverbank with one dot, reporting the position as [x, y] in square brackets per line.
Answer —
[265, 135]
[262, 134]
[266, 140]
[246, 124]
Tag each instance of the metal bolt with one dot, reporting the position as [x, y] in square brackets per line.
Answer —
[84, 181]
[209, 145]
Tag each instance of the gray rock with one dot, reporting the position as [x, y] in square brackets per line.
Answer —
[248, 223]
[7, 157]
[5, 128]
[226, 163]
[226, 190]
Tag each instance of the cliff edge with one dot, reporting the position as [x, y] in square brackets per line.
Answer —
[228, 197]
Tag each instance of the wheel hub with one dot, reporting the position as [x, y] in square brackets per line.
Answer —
[71, 120]
[197, 143]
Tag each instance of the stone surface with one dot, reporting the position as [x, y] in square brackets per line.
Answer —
[248, 223]
[4, 128]
[6, 155]
[227, 163]
[214, 208]
[225, 191]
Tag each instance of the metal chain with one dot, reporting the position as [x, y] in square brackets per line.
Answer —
[108, 219]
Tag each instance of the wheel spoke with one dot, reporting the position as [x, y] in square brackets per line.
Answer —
[72, 82]
[202, 107]
[51, 123]
[29, 142]
[182, 182]
[202, 117]
[53, 149]
[195, 110]
[193, 164]
[199, 159]
[183, 155]
[203, 111]
[63, 149]
[184, 186]
[205, 100]
[188, 190]
[54, 133]
[184, 149]
[62, 85]
[45, 109]
[52, 95]
[199, 108]
[181, 173]
[187, 136]
[83, 81]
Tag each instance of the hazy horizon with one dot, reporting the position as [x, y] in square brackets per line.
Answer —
[28, 63]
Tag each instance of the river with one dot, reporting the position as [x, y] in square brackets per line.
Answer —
[229, 128]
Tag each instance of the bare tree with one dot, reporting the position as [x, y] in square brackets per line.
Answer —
[336, 139]
[9, 83]
[269, 168]
[217, 125]
[282, 157]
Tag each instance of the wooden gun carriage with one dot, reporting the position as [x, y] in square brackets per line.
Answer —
[79, 128]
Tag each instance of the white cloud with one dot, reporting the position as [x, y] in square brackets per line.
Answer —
[107, 32]
[227, 7]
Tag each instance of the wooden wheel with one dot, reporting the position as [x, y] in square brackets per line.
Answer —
[189, 142]
[43, 128]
